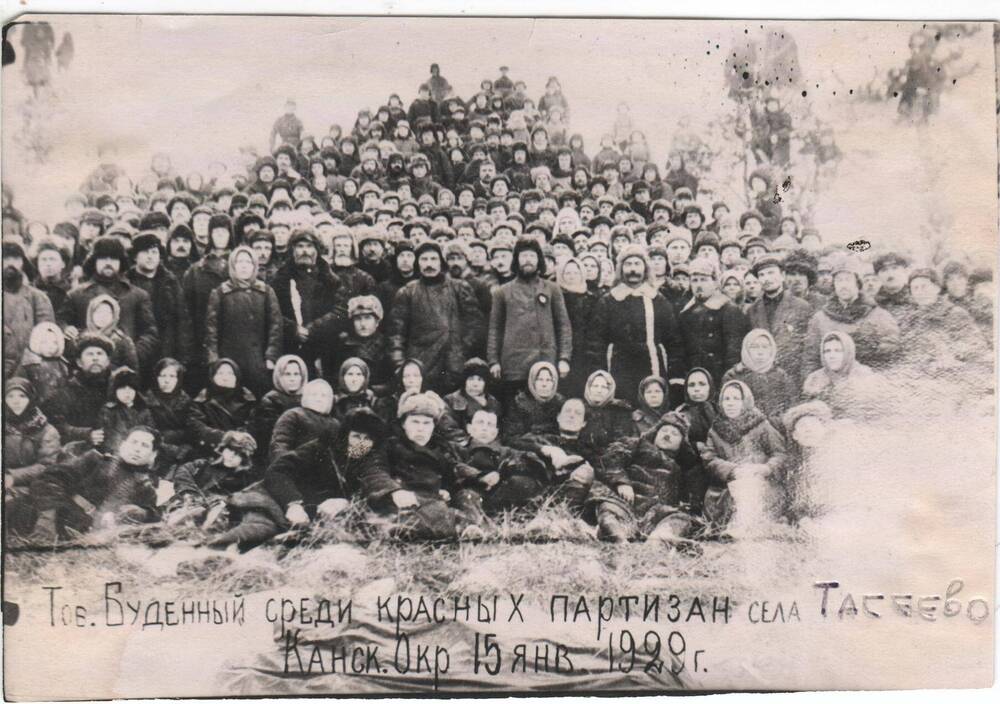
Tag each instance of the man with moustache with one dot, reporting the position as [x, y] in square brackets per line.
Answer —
[180, 253]
[53, 278]
[434, 320]
[528, 323]
[635, 330]
[105, 271]
[312, 298]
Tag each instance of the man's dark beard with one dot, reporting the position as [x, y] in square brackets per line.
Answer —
[526, 274]
[95, 378]
[103, 278]
[12, 279]
[456, 271]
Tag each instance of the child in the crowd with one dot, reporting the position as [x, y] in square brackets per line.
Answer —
[536, 408]
[652, 402]
[352, 387]
[170, 406]
[125, 409]
[772, 388]
[43, 364]
[289, 376]
[656, 482]
[224, 404]
[309, 421]
[103, 314]
[472, 396]
[744, 456]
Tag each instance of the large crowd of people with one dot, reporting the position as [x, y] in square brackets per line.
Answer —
[451, 311]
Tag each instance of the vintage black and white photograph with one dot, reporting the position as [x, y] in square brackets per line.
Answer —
[493, 356]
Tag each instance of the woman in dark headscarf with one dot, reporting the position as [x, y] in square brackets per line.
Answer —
[170, 406]
[224, 404]
[652, 402]
[699, 404]
[536, 408]
[580, 301]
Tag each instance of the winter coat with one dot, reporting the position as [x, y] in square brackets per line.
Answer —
[106, 482]
[531, 416]
[22, 311]
[773, 390]
[209, 478]
[355, 281]
[31, 444]
[528, 323]
[874, 331]
[423, 470]
[373, 350]
[580, 308]
[624, 344]
[607, 423]
[136, 318]
[215, 411]
[462, 407]
[48, 376]
[298, 426]
[171, 416]
[116, 420]
[436, 323]
[197, 286]
[57, 290]
[787, 320]
[659, 478]
[853, 390]
[244, 324]
[713, 332]
[76, 408]
[164, 292]
[322, 297]
[899, 304]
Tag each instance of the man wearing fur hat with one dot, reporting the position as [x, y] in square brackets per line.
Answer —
[435, 320]
[24, 306]
[894, 293]
[528, 322]
[149, 274]
[937, 334]
[106, 268]
[52, 264]
[76, 406]
[713, 327]
[361, 337]
[635, 331]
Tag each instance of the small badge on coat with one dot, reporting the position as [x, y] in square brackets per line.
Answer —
[543, 299]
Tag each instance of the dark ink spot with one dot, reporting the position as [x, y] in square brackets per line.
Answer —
[11, 613]
[859, 245]
[746, 75]
[805, 93]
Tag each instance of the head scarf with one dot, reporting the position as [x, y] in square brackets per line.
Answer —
[533, 373]
[40, 331]
[849, 354]
[581, 286]
[279, 369]
[588, 394]
[218, 391]
[97, 301]
[353, 362]
[732, 429]
[747, 360]
[242, 249]
[641, 400]
[402, 367]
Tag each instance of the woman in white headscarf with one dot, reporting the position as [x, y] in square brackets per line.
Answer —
[772, 388]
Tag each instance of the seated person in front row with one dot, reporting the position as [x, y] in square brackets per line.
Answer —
[99, 491]
[221, 496]
[648, 485]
